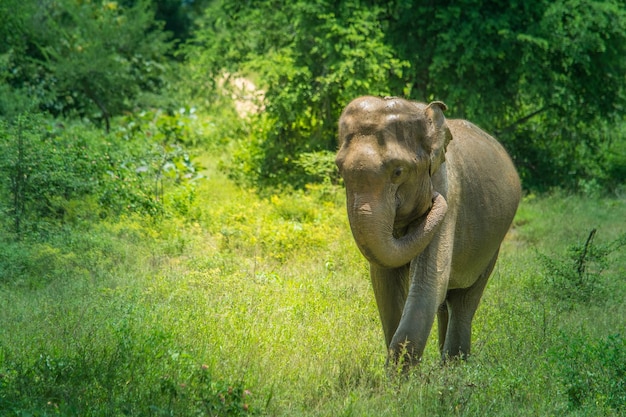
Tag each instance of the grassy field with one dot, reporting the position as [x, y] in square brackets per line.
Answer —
[239, 305]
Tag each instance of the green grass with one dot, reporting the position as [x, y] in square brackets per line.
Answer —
[245, 305]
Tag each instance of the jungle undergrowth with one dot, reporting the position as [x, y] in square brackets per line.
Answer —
[268, 296]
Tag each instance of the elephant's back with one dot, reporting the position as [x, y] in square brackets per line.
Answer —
[484, 186]
[482, 163]
[475, 152]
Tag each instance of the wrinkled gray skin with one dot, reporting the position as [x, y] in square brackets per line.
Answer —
[429, 202]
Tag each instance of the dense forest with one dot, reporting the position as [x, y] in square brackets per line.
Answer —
[547, 78]
[135, 133]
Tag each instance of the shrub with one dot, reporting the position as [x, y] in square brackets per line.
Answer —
[44, 165]
[319, 167]
[121, 380]
[155, 157]
[53, 171]
[593, 372]
[576, 277]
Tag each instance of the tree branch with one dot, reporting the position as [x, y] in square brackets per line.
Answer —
[91, 95]
[523, 120]
[582, 260]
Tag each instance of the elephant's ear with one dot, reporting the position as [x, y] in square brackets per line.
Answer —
[438, 135]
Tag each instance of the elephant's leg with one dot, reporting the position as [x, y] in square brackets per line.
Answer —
[442, 325]
[429, 278]
[390, 289]
[462, 304]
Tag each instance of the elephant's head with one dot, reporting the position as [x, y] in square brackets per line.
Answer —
[389, 150]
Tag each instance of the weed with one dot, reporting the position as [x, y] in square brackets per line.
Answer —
[576, 277]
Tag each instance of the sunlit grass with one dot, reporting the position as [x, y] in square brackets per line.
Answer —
[271, 295]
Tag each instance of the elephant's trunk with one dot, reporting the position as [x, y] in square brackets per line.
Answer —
[373, 229]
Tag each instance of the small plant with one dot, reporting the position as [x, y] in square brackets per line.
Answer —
[219, 398]
[131, 373]
[319, 166]
[576, 277]
[21, 164]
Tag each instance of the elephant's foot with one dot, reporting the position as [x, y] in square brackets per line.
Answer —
[458, 356]
[404, 356]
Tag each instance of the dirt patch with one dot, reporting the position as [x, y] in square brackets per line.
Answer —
[247, 97]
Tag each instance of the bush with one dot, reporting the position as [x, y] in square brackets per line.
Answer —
[43, 166]
[576, 277]
[319, 167]
[151, 155]
[54, 172]
[593, 372]
[121, 380]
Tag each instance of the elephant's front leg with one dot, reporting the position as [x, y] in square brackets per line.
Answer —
[390, 289]
[429, 276]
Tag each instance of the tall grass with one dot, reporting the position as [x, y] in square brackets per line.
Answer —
[244, 305]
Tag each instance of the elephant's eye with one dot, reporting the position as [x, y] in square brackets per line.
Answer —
[397, 173]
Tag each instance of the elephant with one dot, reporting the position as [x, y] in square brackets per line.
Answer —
[429, 202]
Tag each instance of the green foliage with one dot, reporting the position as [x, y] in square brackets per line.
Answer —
[121, 379]
[311, 59]
[544, 76]
[614, 159]
[92, 59]
[219, 398]
[298, 222]
[593, 372]
[103, 350]
[319, 166]
[54, 173]
[576, 277]
[41, 170]
[153, 157]
[179, 16]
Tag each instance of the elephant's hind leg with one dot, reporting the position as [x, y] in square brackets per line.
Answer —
[462, 304]
[442, 325]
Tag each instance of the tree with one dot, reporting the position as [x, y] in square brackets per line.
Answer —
[311, 59]
[545, 76]
[93, 59]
